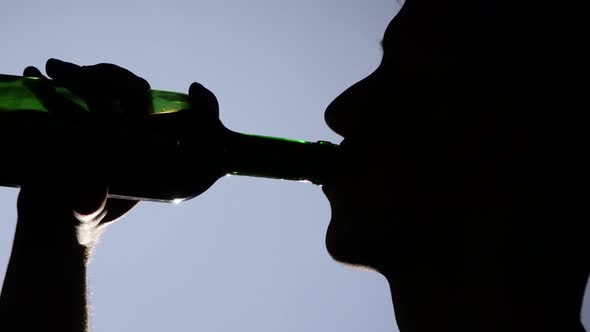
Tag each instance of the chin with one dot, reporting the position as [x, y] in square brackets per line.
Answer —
[349, 248]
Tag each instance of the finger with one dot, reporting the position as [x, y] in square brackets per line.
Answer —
[38, 201]
[31, 71]
[117, 208]
[132, 91]
[117, 77]
[68, 75]
[45, 92]
[62, 71]
[102, 76]
[88, 200]
[203, 100]
[107, 88]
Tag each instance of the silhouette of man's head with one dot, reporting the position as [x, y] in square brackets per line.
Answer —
[408, 136]
[444, 187]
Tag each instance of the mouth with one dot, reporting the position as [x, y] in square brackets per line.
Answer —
[327, 190]
[333, 188]
[337, 174]
[344, 143]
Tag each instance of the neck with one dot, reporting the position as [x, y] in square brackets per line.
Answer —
[438, 300]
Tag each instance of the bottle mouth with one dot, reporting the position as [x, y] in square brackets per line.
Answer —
[279, 158]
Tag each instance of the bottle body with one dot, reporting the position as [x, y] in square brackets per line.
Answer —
[173, 154]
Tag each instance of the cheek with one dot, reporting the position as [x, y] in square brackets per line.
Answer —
[363, 200]
[360, 205]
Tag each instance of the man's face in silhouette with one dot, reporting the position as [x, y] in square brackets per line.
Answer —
[394, 124]
[360, 198]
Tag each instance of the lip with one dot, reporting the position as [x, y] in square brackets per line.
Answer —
[344, 143]
[327, 190]
[331, 182]
[332, 189]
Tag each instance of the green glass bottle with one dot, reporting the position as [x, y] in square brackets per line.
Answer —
[173, 154]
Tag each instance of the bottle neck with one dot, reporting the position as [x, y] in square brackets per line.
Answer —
[279, 158]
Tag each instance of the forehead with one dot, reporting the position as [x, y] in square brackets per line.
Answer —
[426, 18]
[421, 26]
[396, 27]
[387, 35]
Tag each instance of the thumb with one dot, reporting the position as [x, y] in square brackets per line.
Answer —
[89, 202]
[203, 100]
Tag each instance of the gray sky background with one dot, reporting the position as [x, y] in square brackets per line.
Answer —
[248, 255]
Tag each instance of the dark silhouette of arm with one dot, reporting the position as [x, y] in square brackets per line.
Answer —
[45, 283]
[60, 220]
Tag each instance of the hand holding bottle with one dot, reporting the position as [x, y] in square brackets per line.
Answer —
[60, 217]
[111, 92]
[162, 145]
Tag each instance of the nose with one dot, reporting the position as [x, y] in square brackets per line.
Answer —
[350, 111]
